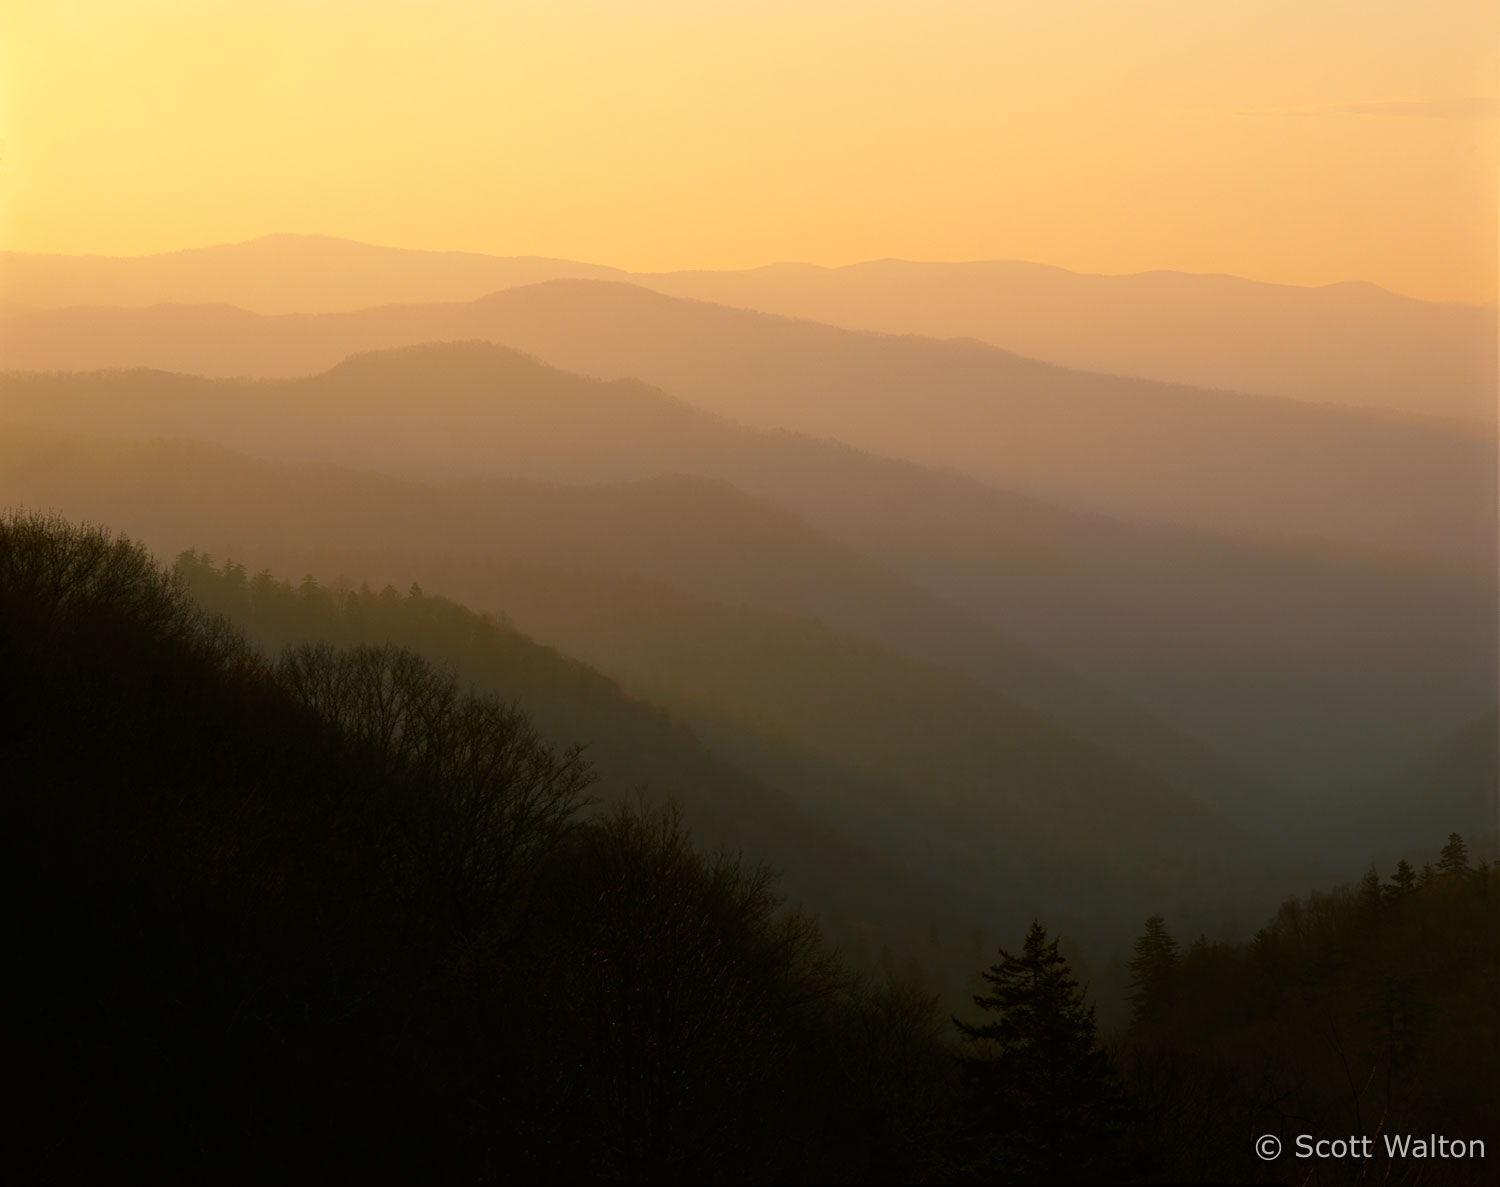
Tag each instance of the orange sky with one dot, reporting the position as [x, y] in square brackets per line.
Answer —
[1304, 141]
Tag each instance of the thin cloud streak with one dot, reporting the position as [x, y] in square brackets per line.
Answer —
[1428, 109]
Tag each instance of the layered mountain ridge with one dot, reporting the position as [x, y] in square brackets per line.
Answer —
[1350, 343]
[1318, 652]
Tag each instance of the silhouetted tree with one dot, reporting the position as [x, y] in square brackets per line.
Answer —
[1151, 970]
[1043, 1104]
[1453, 861]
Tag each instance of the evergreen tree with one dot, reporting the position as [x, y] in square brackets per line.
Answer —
[1403, 881]
[1453, 862]
[1043, 1104]
[1151, 971]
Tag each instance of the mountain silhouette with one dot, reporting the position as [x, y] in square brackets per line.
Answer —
[1319, 659]
[927, 767]
[1349, 343]
[275, 274]
[1455, 780]
[1131, 448]
[699, 537]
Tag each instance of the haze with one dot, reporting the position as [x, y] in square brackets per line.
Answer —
[671, 591]
[1298, 141]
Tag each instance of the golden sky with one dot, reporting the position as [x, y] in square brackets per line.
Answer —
[1304, 141]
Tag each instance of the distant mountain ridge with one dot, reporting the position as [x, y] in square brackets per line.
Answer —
[1130, 448]
[1348, 343]
[704, 540]
[1458, 780]
[978, 793]
[281, 273]
[1302, 654]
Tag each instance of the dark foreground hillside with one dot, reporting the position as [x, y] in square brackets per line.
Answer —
[331, 918]
[335, 919]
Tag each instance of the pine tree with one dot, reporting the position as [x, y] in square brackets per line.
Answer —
[1151, 971]
[1403, 881]
[1043, 1103]
[1453, 862]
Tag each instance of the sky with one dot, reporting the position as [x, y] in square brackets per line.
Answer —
[1298, 141]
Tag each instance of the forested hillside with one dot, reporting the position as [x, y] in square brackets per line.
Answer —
[354, 924]
[964, 813]
[1371, 1010]
[337, 917]
[636, 752]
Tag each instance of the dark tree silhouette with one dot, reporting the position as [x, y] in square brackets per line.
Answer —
[1043, 1103]
[1151, 971]
[1453, 862]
